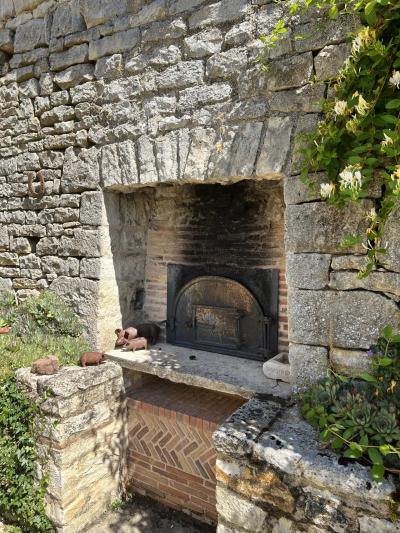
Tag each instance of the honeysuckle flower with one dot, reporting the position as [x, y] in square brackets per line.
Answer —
[363, 106]
[340, 108]
[372, 214]
[352, 125]
[395, 79]
[350, 178]
[396, 173]
[327, 190]
[387, 140]
[365, 37]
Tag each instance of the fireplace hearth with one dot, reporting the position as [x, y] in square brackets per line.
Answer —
[223, 309]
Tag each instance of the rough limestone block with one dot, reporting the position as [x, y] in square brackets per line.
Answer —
[195, 164]
[204, 43]
[319, 227]
[109, 67]
[80, 170]
[118, 42]
[207, 94]
[83, 243]
[275, 149]
[308, 364]
[239, 34]
[179, 6]
[5, 284]
[74, 75]
[317, 34]
[236, 436]
[296, 191]
[60, 267]
[308, 271]
[244, 150]
[31, 35]
[67, 19]
[7, 9]
[370, 524]
[391, 241]
[348, 262]
[288, 73]
[147, 163]
[72, 56]
[240, 512]
[119, 165]
[387, 282]
[219, 13]
[159, 31]
[351, 319]
[91, 211]
[154, 11]
[227, 64]
[349, 362]
[90, 268]
[306, 99]
[167, 157]
[6, 41]
[97, 12]
[181, 75]
[330, 60]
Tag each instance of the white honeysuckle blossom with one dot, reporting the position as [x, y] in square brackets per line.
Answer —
[372, 214]
[350, 178]
[364, 38]
[363, 106]
[387, 140]
[327, 190]
[395, 79]
[340, 107]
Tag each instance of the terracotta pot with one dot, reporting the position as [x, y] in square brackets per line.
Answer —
[5, 330]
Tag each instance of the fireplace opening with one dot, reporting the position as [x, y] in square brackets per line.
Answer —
[205, 259]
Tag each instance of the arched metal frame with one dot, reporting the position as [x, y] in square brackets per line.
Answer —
[220, 313]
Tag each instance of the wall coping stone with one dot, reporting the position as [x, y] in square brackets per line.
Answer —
[274, 437]
[69, 380]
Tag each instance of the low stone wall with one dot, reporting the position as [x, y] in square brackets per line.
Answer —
[274, 476]
[84, 441]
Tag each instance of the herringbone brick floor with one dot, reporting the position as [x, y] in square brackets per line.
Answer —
[171, 453]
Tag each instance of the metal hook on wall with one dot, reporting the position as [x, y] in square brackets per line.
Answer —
[41, 190]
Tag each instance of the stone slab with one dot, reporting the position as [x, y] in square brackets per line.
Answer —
[223, 373]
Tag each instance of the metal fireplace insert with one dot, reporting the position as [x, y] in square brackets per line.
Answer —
[226, 310]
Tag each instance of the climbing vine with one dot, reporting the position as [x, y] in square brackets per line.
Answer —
[21, 489]
[358, 140]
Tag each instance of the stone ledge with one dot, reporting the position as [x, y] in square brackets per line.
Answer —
[266, 436]
[218, 372]
[69, 380]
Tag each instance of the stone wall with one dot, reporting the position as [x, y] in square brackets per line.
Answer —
[274, 477]
[84, 442]
[111, 96]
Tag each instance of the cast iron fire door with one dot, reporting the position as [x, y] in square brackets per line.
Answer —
[220, 314]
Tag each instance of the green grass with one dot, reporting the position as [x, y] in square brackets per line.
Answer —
[40, 326]
[18, 352]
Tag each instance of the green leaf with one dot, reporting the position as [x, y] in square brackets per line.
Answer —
[378, 472]
[393, 104]
[384, 449]
[375, 456]
[387, 332]
[370, 13]
[337, 443]
[367, 377]
[364, 440]
[352, 454]
[385, 361]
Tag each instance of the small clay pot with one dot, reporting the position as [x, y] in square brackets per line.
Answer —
[5, 330]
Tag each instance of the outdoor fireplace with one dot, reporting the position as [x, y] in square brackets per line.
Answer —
[206, 259]
[223, 309]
